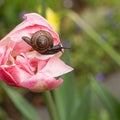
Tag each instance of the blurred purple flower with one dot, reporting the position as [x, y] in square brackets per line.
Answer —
[100, 77]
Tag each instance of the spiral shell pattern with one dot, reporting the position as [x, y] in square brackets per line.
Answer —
[42, 41]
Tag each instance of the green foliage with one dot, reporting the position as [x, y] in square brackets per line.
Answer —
[112, 105]
[24, 107]
[96, 103]
[94, 44]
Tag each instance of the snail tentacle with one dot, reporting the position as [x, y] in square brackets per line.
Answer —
[27, 40]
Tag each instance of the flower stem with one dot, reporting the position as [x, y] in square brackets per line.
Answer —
[95, 37]
[50, 105]
[47, 95]
[43, 6]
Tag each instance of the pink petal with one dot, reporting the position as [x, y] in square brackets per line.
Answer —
[13, 75]
[5, 50]
[6, 76]
[2, 53]
[40, 83]
[55, 67]
[53, 83]
[33, 18]
[20, 47]
[32, 23]
[23, 64]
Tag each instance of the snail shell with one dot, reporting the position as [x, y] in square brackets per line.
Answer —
[42, 41]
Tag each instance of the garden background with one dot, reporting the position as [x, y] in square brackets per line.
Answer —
[91, 28]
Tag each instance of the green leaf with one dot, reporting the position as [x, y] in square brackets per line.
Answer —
[95, 36]
[111, 103]
[23, 106]
[83, 110]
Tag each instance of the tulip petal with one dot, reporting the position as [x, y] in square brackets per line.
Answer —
[6, 76]
[40, 83]
[23, 63]
[13, 75]
[32, 20]
[55, 67]
[2, 53]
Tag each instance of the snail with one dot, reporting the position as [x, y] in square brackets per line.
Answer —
[42, 42]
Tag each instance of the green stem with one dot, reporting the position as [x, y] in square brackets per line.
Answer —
[47, 95]
[43, 6]
[50, 105]
[90, 31]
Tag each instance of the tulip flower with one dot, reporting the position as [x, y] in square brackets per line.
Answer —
[22, 66]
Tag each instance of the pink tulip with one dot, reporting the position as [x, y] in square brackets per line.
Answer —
[24, 67]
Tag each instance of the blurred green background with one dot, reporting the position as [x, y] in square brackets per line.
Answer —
[91, 92]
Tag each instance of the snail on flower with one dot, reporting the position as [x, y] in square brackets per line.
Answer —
[42, 41]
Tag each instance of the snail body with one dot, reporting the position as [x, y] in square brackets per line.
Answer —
[42, 41]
